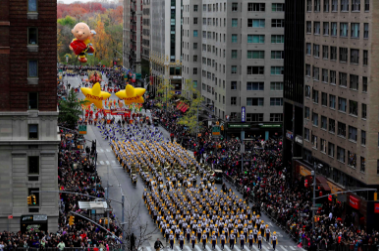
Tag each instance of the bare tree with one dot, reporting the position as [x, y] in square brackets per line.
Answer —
[135, 228]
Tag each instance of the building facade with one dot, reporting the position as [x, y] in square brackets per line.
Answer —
[132, 46]
[146, 30]
[28, 111]
[165, 44]
[339, 107]
[238, 60]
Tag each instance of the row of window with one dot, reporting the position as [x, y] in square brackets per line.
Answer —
[256, 7]
[337, 5]
[343, 103]
[344, 80]
[258, 101]
[250, 86]
[335, 53]
[330, 149]
[259, 117]
[345, 29]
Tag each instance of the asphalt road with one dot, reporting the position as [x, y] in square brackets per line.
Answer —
[111, 171]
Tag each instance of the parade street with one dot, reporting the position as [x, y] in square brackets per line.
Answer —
[119, 182]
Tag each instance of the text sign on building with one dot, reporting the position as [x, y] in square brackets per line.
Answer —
[216, 131]
[243, 114]
[236, 125]
[82, 129]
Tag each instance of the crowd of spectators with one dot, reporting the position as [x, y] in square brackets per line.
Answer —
[75, 174]
[266, 181]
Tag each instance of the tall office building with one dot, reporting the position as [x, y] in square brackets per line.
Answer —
[28, 113]
[132, 35]
[165, 44]
[233, 53]
[146, 30]
[339, 103]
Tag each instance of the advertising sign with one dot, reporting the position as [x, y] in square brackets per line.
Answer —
[243, 114]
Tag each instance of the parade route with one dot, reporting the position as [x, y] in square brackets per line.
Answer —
[120, 182]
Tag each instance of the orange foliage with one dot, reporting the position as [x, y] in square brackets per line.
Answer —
[79, 9]
[116, 15]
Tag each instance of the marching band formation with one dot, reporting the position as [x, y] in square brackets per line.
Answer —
[183, 210]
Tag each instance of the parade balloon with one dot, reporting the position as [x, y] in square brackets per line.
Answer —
[131, 95]
[95, 95]
[81, 44]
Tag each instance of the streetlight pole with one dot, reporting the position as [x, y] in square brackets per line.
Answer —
[314, 198]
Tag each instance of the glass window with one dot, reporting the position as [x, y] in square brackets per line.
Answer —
[234, 54]
[254, 102]
[363, 164]
[307, 135]
[325, 28]
[255, 70]
[195, 33]
[363, 137]
[276, 117]
[333, 53]
[307, 113]
[355, 30]
[316, 73]
[33, 101]
[365, 57]
[364, 84]
[353, 133]
[351, 159]
[324, 123]
[256, 39]
[233, 85]
[277, 70]
[277, 23]
[333, 29]
[255, 86]
[254, 117]
[276, 101]
[276, 86]
[365, 34]
[234, 6]
[277, 7]
[341, 104]
[307, 91]
[367, 5]
[234, 38]
[316, 50]
[355, 5]
[309, 5]
[332, 101]
[323, 145]
[364, 111]
[195, 7]
[344, 29]
[341, 154]
[33, 165]
[233, 101]
[315, 119]
[354, 56]
[354, 82]
[32, 5]
[256, 54]
[326, 5]
[325, 77]
[234, 22]
[32, 68]
[256, 7]
[277, 54]
[32, 36]
[308, 47]
[331, 149]
[341, 129]
[277, 39]
[33, 131]
[324, 99]
[332, 126]
[317, 5]
[316, 28]
[333, 77]
[315, 96]
[345, 5]
[256, 23]
[334, 5]
[234, 69]
[308, 70]
[342, 79]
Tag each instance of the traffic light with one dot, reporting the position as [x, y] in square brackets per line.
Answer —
[71, 220]
[34, 198]
[29, 200]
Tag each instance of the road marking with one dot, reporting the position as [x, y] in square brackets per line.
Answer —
[218, 248]
[178, 247]
[98, 163]
[283, 248]
[256, 248]
[148, 248]
[197, 248]
[227, 248]
[208, 248]
[108, 150]
[101, 150]
[235, 246]
[270, 223]
[292, 248]
[187, 247]
[113, 162]
[101, 162]
[264, 248]
[107, 162]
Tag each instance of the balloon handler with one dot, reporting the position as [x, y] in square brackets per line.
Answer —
[81, 45]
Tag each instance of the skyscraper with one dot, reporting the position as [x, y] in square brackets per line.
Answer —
[29, 136]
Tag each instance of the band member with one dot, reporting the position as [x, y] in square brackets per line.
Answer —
[223, 239]
[259, 241]
[204, 239]
[172, 240]
[181, 240]
[242, 239]
[250, 238]
[267, 233]
[255, 233]
[214, 240]
[193, 239]
[274, 240]
[231, 239]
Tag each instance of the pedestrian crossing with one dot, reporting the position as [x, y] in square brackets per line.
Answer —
[106, 162]
[199, 247]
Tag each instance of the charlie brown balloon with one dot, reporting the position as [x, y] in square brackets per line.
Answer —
[81, 44]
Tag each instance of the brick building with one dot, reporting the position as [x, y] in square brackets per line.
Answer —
[28, 111]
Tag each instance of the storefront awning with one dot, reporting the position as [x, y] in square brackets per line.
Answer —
[303, 171]
[322, 182]
[334, 188]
